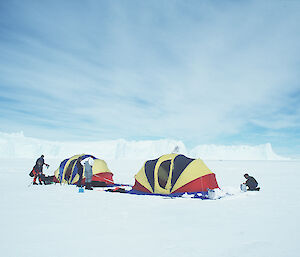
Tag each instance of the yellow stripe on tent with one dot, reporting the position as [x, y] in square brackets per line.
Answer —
[157, 188]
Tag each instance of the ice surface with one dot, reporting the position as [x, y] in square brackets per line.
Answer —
[240, 152]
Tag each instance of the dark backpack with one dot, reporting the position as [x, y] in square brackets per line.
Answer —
[32, 173]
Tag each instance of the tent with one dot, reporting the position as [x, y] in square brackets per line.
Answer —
[174, 174]
[67, 171]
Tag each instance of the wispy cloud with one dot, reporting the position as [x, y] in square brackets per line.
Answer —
[198, 71]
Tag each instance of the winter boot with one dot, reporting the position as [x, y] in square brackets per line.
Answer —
[88, 186]
[34, 183]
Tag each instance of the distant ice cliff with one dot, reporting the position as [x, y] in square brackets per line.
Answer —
[16, 145]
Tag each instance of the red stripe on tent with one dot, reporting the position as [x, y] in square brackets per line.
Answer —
[200, 184]
[137, 186]
[106, 177]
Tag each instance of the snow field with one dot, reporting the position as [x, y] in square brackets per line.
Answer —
[56, 220]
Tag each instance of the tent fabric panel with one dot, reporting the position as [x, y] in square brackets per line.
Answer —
[200, 184]
[137, 186]
[103, 177]
[99, 166]
[163, 173]
[166, 166]
[63, 180]
[157, 187]
[75, 172]
[194, 170]
[180, 163]
[56, 174]
[143, 180]
[149, 168]
[69, 169]
[61, 169]
[106, 177]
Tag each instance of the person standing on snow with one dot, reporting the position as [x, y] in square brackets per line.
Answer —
[251, 183]
[38, 169]
[88, 172]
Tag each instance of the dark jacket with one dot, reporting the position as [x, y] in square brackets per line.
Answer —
[251, 182]
[40, 161]
[39, 164]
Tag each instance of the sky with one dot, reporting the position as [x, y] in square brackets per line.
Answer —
[203, 72]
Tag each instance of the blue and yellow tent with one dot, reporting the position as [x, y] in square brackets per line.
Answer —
[67, 171]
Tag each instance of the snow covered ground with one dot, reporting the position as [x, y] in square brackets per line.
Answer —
[55, 220]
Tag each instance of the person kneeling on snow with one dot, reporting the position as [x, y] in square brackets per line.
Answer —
[251, 183]
[88, 172]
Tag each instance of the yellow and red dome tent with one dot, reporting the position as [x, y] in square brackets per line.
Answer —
[67, 173]
[173, 174]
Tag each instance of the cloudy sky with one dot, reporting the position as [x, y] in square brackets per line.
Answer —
[204, 72]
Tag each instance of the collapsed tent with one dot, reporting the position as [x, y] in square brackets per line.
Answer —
[174, 174]
[67, 173]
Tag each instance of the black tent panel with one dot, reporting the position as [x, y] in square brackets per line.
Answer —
[180, 163]
[149, 171]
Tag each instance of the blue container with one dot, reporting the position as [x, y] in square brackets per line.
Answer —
[81, 190]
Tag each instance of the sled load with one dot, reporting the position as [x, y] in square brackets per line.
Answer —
[174, 174]
[67, 173]
[47, 180]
